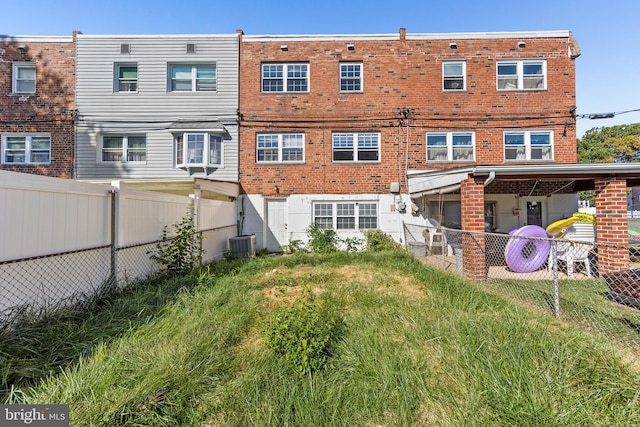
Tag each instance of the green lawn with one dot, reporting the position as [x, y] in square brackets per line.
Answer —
[417, 347]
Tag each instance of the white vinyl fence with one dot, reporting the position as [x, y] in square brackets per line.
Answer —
[62, 241]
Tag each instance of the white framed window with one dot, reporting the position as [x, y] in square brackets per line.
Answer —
[280, 148]
[528, 145]
[192, 78]
[24, 77]
[126, 77]
[526, 74]
[124, 148]
[351, 77]
[285, 77]
[356, 147]
[346, 215]
[454, 75]
[26, 149]
[198, 149]
[450, 146]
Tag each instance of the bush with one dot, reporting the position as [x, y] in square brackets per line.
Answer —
[378, 241]
[181, 253]
[305, 333]
[322, 240]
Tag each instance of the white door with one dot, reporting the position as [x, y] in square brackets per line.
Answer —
[275, 235]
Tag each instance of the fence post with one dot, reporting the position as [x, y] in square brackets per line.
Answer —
[556, 283]
[113, 268]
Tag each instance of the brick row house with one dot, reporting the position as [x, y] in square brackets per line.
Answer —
[353, 132]
[37, 95]
[357, 132]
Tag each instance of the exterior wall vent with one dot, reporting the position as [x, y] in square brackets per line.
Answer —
[191, 48]
[243, 246]
[125, 48]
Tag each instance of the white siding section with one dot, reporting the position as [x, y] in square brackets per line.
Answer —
[152, 109]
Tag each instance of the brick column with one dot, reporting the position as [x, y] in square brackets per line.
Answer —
[612, 226]
[474, 263]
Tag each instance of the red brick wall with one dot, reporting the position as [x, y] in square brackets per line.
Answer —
[612, 225]
[398, 74]
[50, 109]
[474, 262]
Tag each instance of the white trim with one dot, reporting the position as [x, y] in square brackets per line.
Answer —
[489, 35]
[36, 39]
[28, 136]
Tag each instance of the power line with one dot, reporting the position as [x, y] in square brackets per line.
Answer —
[594, 116]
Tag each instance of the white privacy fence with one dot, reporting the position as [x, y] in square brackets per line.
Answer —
[62, 241]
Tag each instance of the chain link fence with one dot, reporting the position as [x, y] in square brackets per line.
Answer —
[572, 278]
[33, 287]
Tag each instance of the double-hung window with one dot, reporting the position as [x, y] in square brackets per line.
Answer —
[192, 77]
[450, 146]
[126, 78]
[346, 215]
[453, 75]
[285, 77]
[356, 147]
[350, 77]
[198, 149]
[26, 149]
[280, 148]
[24, 77]
[528, 145]
[124, 148]
[522, 74]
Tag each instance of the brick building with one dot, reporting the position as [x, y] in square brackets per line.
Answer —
[37, 96]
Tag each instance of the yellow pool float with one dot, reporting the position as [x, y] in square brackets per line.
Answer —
[560, 228]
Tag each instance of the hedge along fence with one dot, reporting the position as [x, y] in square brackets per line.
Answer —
[63, 241]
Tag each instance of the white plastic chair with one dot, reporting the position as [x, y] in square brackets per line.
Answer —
[574, 247]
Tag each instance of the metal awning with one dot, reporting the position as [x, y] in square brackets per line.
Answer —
[214, 126]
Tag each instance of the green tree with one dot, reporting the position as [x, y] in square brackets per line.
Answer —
[619, 143]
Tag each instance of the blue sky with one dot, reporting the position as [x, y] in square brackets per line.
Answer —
[608, 32]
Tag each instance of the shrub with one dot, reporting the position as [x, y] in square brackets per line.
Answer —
[378, 241]
[181, 253]
[322, 240]
[305, 333]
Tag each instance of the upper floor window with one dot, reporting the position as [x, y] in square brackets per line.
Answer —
[346, 215]
[24, 77]
[528, 145]
[124, 148]
[198, 149]
[356, 147]
[126, 77]
[450, 146]
[285, 77]
[26, 149]
[522, 75]
[283, 148]
[453, 75]
[350, 77]
[192, 77]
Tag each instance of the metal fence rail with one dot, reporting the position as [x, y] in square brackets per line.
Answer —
[557, 276]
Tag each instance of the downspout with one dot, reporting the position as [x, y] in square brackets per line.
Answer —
[490, 178]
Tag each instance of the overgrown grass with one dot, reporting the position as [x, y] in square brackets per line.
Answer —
[418, 347]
